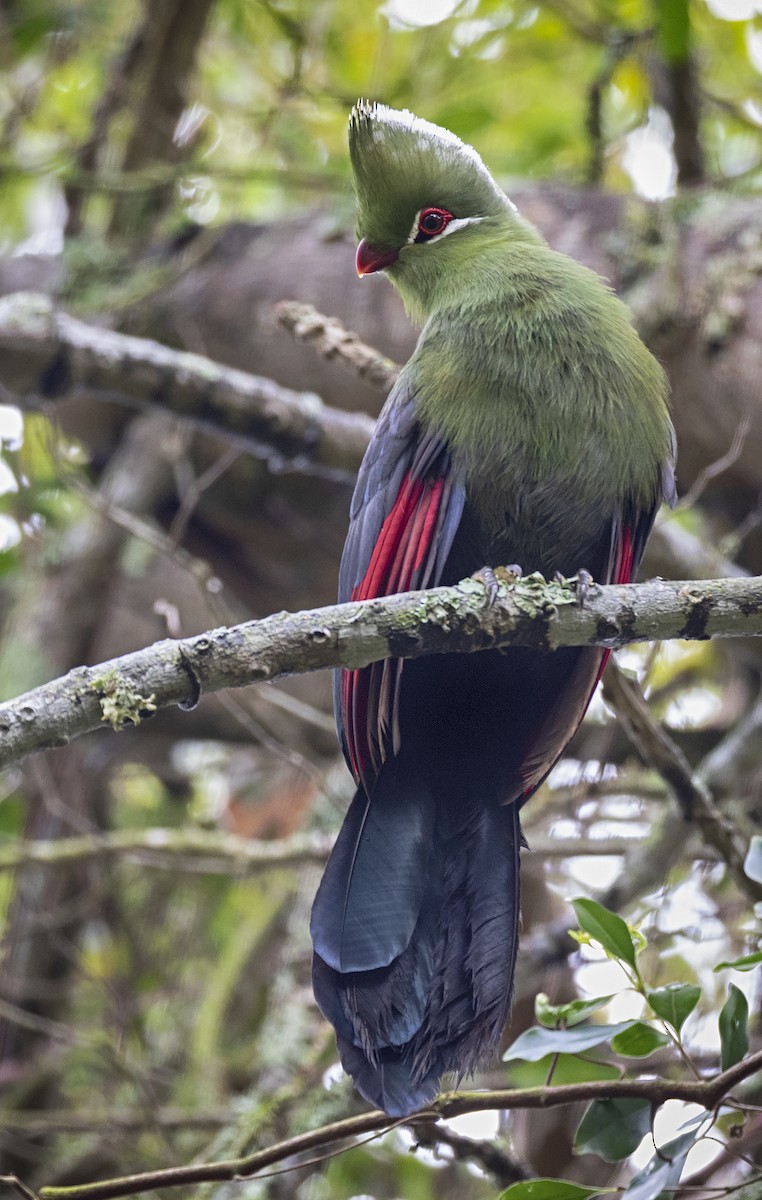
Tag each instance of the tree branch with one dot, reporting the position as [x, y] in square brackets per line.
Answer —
[707, 1093]
[527, 612]
[489, 1155]
[47, 353]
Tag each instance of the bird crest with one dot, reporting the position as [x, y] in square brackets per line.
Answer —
[403, 164]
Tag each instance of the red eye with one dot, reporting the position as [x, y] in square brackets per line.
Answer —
[431, 222]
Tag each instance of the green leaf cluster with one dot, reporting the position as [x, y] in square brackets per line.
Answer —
[614, 1128]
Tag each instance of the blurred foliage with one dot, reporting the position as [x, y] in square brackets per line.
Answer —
[265, 130]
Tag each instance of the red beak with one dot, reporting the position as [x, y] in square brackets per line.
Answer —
[373, 258]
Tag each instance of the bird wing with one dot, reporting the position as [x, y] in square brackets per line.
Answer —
[405, 511]
[630, 530]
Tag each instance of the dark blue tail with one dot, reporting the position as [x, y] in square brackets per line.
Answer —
[415, 930]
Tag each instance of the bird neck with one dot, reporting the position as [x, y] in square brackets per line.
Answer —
[470, 262]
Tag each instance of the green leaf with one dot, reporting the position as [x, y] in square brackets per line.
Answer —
[733, 1022]
[640, 1040]
[613, 1129]
[674, 1002]
[607, 928]
[550, 1189]
[752, 864]
[567, 1068]
[536, 1043]
[661, 1172]
[747, 962]
[555, 1015]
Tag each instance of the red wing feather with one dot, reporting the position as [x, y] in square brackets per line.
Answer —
[403, 558]
[623, 566]
[623, 572]
[375, 581]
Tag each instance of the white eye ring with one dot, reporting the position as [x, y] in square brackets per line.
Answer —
[450, 227]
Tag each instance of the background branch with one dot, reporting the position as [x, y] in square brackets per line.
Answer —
[48, 353]
[331, 339]
[211, 851]
[207, 850]
[489, 1155]
[691, 792]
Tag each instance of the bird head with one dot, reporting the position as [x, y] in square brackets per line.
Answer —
[425, 200]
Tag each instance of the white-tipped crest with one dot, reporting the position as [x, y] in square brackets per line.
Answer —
[382, 121]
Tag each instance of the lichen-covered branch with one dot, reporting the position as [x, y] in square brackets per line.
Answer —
[45, 353]
[527, 612]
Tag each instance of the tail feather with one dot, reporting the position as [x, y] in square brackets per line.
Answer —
[441, 1003]
[384, 1007]
[387, 1083]
[374, 884]
[473, 987]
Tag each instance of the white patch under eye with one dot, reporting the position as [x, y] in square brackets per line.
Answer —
[450, 227]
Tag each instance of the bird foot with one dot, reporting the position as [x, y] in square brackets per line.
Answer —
[488, 577]
[492, 577]
[581, 582]
[582, 586]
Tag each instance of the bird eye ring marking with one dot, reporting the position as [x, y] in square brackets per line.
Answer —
[432, 222]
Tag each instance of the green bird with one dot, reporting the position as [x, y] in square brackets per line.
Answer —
[529, 427]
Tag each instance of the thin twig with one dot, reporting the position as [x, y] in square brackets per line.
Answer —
[721, 464]
[330, 338]
[15, 1184]
[196, 489]
[489, 1155]
[209, 584]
